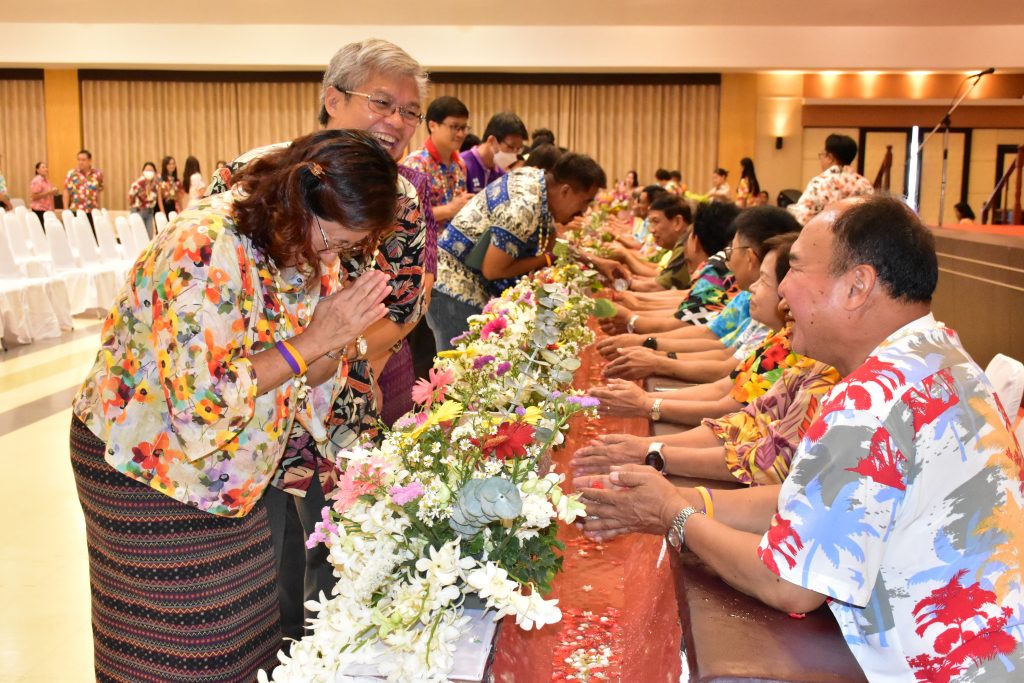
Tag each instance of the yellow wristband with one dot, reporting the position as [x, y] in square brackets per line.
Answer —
[709, 504]
[298, 358]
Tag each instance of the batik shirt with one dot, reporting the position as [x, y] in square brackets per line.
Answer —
[764, 366]
[904, 506]
[835, 183]
[173, 394]
[142, 194]
[760, 440]
[355, 413]
[446, 177]
[84, 189]
[515, 209]
[711, 291]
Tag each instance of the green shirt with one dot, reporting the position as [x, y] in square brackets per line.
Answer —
[675, 275]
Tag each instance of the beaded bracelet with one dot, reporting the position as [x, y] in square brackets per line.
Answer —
[292, 357]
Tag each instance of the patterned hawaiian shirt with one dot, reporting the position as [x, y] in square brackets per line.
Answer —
[764, 366]
[904, 506]
[446, 178]
[169, 189]
[732, 318]
[515, 209]
[142, 194]
[402, 255]
[84, 189]
[760, 439]
[834, 183]
[173, 393]
[712, 289]
[748, 339]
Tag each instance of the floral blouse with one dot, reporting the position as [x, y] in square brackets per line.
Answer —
[515, 209]
[142, 194]
[760, 440]
[713, 287]
[170, 188]
[173, 393]
[446, 178]
[835, 183]
[762, 368]
[83, 189]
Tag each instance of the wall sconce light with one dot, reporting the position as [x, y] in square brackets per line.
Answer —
[778, 142]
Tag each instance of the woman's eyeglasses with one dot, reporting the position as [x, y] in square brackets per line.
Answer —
[379, 104]
[348, 249]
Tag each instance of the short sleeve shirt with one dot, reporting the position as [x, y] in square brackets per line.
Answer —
[39, 184]
[735, 315]
[764, 366]
[904, 506]
[675, 274]
[515, 210]
[478, 176]
[712, 288]
[84, 189]
[142, 194]
[446, 176]
[835, 183]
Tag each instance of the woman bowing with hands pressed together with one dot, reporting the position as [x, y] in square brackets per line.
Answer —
[231, 327]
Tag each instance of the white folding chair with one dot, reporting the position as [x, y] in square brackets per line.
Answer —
[171, 216]
[37, 237]
[161, 220]
[109, 251]
[1007, 376]
[66, 217]
[25, 302]
[124, 233]
[17, 236]
[48, 215]
[142, 238]
[18, 203]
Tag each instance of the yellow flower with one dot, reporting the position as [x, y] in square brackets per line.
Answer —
[457, 353]
[449, 410]
[532, 415]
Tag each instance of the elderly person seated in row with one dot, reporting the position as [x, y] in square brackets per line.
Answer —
[902, 508]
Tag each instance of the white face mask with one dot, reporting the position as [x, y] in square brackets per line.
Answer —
[504, 159]
[149, 175]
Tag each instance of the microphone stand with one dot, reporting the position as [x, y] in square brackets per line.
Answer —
[944, 125]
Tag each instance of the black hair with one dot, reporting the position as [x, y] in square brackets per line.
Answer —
[544, 156]
[713, 225]
[676, 175]
[163, 168]
[445, 106]
[86, 152]
[748, 172]
[503, 124]
[887, 235]
[780, 246]
[38, 164]
[579, 171]
[722, 172]
[148, 163]
[469, 142]
[662, 174]
[842, 148]
[653, 191]
[636, 179]
[965, 210]
[757, 225]
[541, 136]
[191, 168]
[672, 206]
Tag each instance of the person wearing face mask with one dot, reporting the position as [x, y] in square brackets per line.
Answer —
[497, 151]
[504, 232]
[143, 195]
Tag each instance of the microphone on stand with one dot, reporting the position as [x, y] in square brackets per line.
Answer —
[986, 72]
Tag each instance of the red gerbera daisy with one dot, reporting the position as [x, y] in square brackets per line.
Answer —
[509, 441]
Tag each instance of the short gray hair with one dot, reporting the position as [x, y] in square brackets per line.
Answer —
[356, 63]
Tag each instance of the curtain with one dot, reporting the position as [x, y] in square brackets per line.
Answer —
[22, 134]
[624, 127]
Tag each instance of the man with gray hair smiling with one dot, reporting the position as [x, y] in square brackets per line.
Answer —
[370, 85]
[903, 506]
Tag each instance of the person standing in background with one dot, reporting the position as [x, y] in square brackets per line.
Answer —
[720, 190]
[144, 195]
[83, 186]
[447, 123]
[837, 180]
[170, 194]
[192, 182]
[491, 157]
[41, 191]
[748, 188]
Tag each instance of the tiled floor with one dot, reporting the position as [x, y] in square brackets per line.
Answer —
[45, 634]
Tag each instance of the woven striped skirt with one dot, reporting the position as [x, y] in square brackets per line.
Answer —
[177, 594]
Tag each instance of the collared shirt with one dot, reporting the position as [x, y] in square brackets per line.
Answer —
[173, 393]
[676, 273]
[84, 189]
[764, 366]
[903, 505]
[731, 320]
[142, 193]
[169, 189]
[761, 438]
[38, 184]
[515, 209]
[713, 287]
[446, 177]
[834, 183]
[478, 176]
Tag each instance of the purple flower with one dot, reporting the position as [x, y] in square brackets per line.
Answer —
[555, 394]
[584, 401]
[482, 361]
[406, 421]
[406, 494]
[503, 367]
[455, 340]
[520, 410]
[320, 531]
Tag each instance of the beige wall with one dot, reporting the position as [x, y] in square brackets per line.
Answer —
[779, 102]
[22, 133]
[737, 135]
[983, 162]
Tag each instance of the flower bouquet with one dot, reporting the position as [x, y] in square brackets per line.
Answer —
[453, 502]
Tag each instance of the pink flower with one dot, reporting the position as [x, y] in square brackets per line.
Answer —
[496, 326]
[426, 392]
[358, 480]
[406, 494]
[327, 526]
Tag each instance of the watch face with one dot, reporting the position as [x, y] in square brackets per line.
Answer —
[655, 460]
[673, 539]
[361, 346]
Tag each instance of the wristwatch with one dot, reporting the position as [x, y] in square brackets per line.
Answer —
[655, 458]
[651, 343]
[655, 413]
[631, 325]
[361, 347]
[675, 535]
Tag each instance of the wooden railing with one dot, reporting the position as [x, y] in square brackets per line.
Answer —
[884, 178]
[1014, 216]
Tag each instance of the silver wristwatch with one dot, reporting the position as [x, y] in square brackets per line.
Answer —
[675, 531]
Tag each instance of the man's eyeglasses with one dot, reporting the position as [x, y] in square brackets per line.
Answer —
[730, 249]
[458, 128]
[378, 104]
